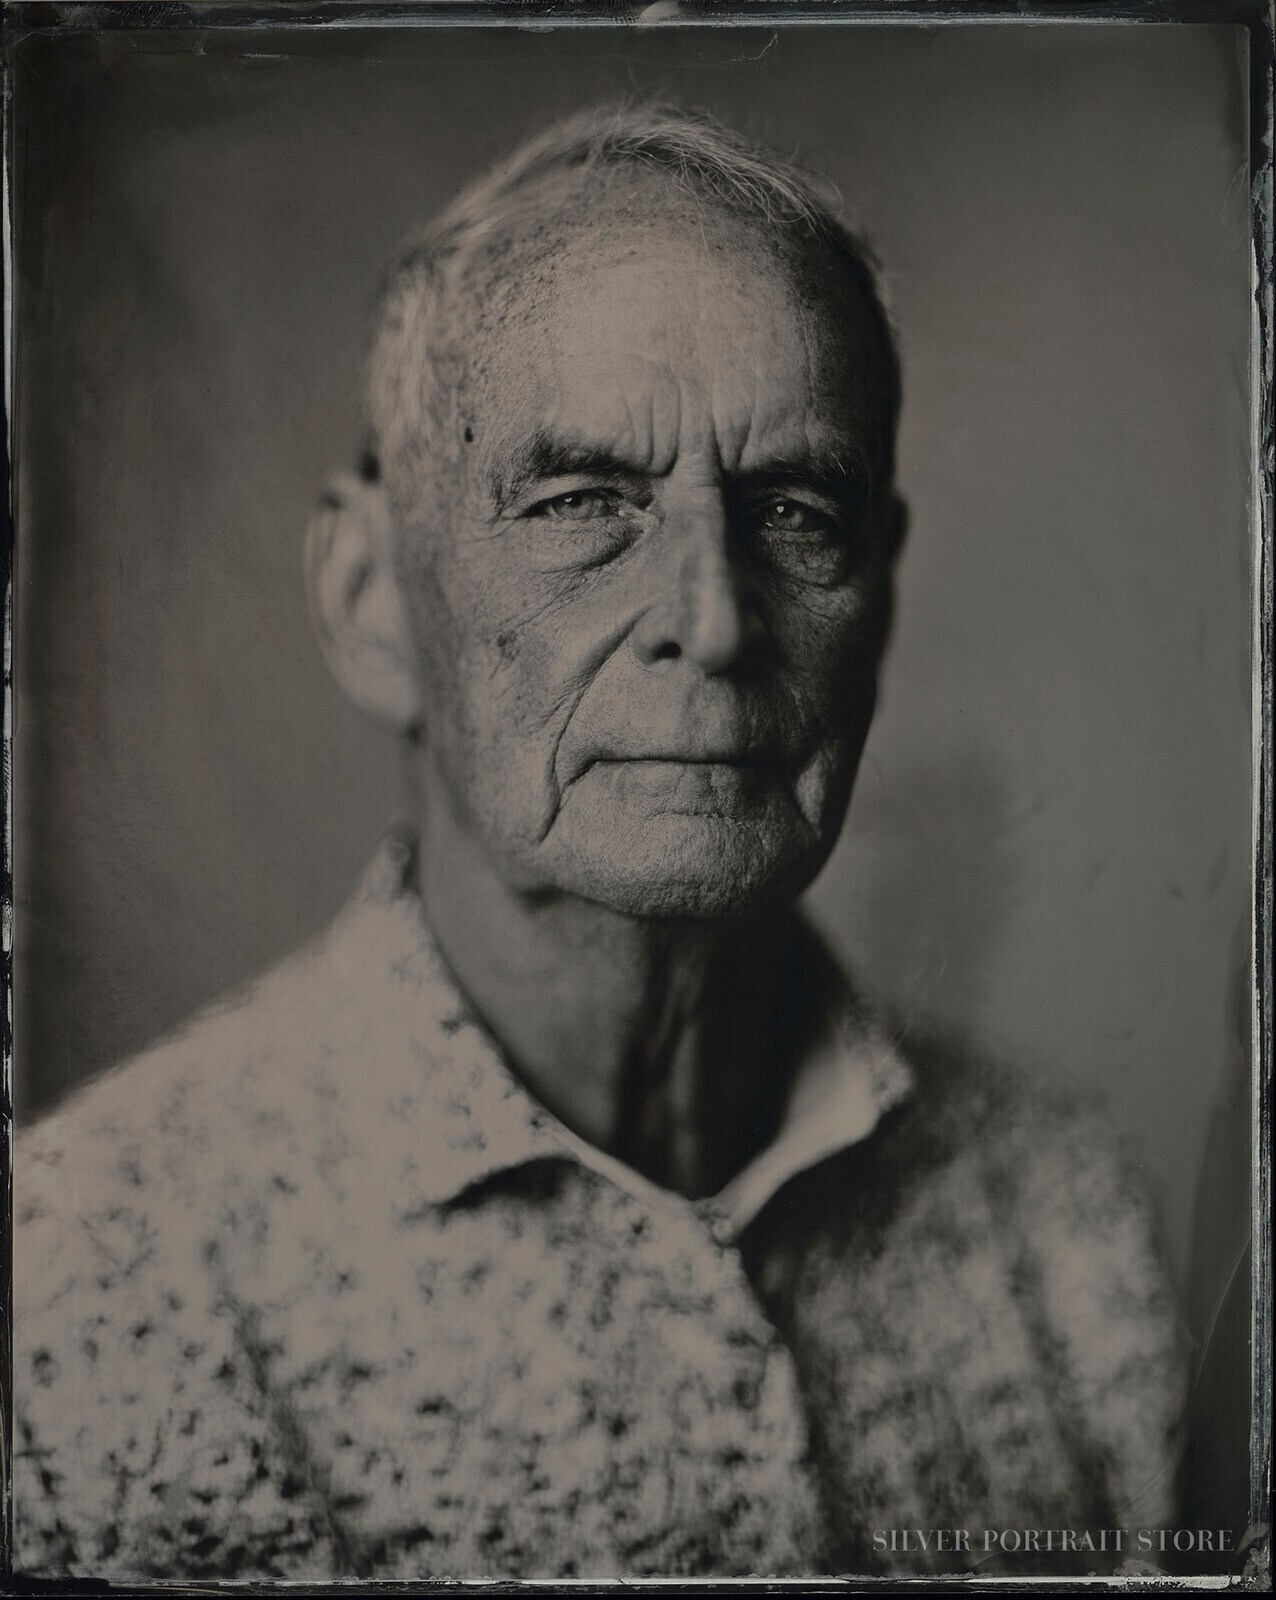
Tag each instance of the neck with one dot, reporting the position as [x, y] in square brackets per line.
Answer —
[651, 1038]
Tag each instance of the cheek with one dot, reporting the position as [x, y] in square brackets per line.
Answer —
[503, 658]
[834, 679]
[437, 636]
[829, 645]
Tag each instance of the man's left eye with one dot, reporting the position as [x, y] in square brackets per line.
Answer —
[791, 516]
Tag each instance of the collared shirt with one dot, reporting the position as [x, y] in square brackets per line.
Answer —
[317, 1289]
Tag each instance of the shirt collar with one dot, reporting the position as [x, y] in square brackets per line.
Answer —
[448, 1113]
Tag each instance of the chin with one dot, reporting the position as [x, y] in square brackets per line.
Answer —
[693, 868]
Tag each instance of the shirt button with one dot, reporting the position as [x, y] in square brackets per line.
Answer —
[721, 1230]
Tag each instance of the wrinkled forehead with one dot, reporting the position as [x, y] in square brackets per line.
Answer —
[667, 328]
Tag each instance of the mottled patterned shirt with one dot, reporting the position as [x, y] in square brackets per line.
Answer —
[315, 1289]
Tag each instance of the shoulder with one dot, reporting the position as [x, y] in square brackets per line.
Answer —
[147, 1132]
[138, 1204]
[981, 1155]
[249, 1079]
[986, 1267]
[1039, 1168]
[1067, 1200]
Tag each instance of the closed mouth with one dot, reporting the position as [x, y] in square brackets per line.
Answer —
[734, 758]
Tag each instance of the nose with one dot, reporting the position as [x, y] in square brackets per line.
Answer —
[698, 607]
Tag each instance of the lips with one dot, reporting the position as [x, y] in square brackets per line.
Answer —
[717, 732]
[751, 759]
[727, 758]
[676, 784]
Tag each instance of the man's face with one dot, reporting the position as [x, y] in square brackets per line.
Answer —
[648, 605]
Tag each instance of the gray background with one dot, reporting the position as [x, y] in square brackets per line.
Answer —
[1049, 848]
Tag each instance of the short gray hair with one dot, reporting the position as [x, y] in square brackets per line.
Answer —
[414, 368]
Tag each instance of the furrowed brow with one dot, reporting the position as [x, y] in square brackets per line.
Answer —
[547, 455]
[844, 478]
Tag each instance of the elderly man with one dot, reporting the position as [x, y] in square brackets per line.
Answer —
[561, 1211]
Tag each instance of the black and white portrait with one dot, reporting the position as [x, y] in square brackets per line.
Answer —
[634, 749]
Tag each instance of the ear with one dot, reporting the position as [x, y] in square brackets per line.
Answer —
[355, 604]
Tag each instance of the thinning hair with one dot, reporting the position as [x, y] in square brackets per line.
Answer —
[417, 359]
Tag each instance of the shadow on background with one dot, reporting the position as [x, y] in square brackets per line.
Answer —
[934, 882]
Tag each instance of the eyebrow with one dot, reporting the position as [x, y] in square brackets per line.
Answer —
[842, 477]
[547, 455]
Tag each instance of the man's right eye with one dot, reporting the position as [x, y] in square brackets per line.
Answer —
[577, 505]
